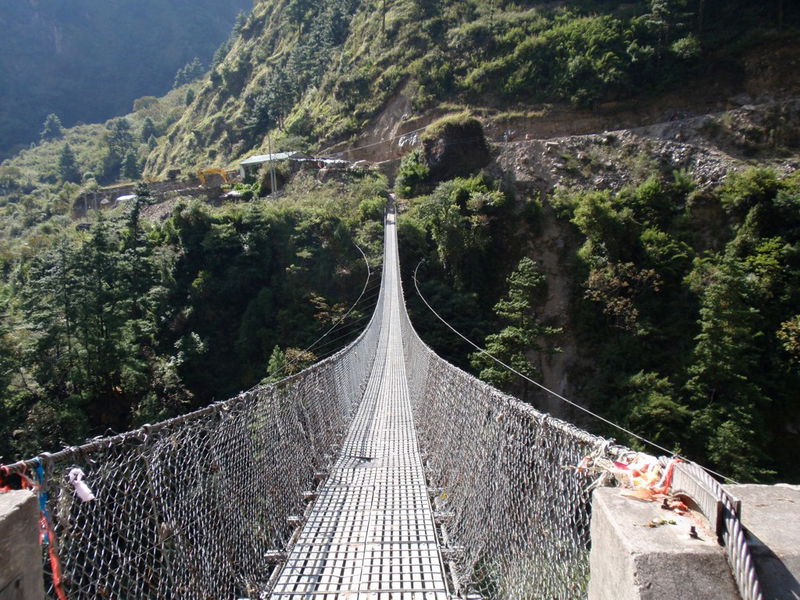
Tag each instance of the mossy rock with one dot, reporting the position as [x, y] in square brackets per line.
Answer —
[454, 146]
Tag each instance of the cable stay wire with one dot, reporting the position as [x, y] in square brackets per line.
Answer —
[368, 307]
[343, 317]
[333, 340]
[554, 393]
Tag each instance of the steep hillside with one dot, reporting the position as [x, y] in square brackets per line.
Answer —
[87, 60]
[38, 186]
[319, 73]
[652, 275]
[605, 195]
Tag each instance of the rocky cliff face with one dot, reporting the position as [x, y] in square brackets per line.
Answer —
[707, 148]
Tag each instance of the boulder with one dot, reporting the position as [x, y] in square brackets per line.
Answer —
[454, 147]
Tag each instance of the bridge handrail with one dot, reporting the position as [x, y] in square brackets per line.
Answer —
[475, 576]
[189, 507]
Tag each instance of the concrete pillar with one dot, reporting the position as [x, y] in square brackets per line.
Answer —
[642, 552]
[771, 516]
[20, 555]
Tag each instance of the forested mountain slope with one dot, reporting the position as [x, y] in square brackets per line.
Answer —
[648, 270]
[87, 60]
[320, 72]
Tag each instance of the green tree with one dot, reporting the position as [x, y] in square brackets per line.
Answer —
[667, 20]
[271, 107]
[68, 166]
[130, 165]
[118, 140]
[52, 129]
[654, 409]
[722, 386]
[220, 54]
[189, 72]
[525, 335]
[149, 130]
[412, 176]
[142, 197]
[238, 25]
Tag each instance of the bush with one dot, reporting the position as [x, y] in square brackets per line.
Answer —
[412, 176]
[372, 209]
[743, 190]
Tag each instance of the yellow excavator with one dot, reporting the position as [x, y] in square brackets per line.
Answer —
[202, 173]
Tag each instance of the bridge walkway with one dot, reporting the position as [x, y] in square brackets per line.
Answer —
[371, 532]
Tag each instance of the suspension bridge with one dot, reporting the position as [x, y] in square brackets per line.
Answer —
[380, 473]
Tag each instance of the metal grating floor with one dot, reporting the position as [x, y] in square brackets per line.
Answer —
[371, 532]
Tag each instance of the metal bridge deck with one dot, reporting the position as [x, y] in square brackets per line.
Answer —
[371, 532]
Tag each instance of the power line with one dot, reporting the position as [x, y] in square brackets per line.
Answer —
[551, 392]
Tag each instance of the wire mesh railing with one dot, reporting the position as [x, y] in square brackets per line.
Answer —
[188, 508]
[516, 516]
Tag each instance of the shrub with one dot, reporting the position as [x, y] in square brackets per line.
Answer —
[412, 176]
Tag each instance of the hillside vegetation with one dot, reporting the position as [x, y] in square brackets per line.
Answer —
[682, 304]
[132, 321]
[318, 72]
[650, 275]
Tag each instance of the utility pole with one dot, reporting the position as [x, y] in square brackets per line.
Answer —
[273, 183]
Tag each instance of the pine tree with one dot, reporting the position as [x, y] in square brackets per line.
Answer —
[130, 165]
[68, 165]
[525, 332]
[722, 386]
[221, 53]
[238, 25]
[189, 72]
[119, 141]
[148, 130]
[276, 366]
[52, 129]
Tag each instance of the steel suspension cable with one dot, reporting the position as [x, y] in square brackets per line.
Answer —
[552, 392]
